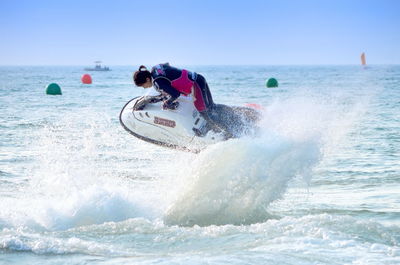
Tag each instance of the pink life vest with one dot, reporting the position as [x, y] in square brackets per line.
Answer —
[183, 84]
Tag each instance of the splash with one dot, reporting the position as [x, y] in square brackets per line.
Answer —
[89, 173]
[233, 182]
[74, 182]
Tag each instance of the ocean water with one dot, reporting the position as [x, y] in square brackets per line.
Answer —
[320, 184]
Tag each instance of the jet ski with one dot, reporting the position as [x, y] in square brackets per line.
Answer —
[184, 128]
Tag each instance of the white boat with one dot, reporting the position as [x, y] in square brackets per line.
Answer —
[183, 128]
[98, 67]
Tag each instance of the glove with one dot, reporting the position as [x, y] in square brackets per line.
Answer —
[155, 99]
[170, 106]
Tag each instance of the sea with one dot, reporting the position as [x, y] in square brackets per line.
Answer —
[318, 184]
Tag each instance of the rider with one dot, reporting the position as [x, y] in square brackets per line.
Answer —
[172, 82]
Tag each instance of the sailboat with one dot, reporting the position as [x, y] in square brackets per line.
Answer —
[363, 61]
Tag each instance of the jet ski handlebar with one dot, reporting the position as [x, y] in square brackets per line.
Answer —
[144, 100]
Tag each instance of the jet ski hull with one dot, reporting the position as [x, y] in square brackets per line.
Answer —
[183, 128]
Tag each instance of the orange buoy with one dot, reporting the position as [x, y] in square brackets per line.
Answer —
[86, 79]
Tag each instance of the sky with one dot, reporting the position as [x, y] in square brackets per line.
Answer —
[201, 32]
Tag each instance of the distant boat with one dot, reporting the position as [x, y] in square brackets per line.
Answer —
[98, 67]
[363, 62]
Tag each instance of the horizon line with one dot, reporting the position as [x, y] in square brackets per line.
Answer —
[85, 65]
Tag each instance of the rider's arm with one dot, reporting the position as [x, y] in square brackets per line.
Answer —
[155, 99]
[143, 101]
[164, 85]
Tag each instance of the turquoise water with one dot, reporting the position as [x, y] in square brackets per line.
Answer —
[319, 185]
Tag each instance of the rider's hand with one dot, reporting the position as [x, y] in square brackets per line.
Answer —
[170, 106]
